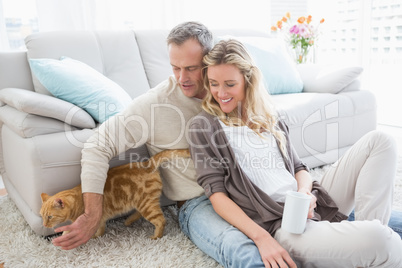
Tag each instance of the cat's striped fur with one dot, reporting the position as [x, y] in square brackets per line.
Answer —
[132, 186]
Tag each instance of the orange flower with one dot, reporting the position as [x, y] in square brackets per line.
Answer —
[301, 20]
[284, 19]
[288, 15]
[279, 24]
[309, 19]
[322, 21]
[273, 28]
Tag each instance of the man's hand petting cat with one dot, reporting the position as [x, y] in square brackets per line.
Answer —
[84, 227]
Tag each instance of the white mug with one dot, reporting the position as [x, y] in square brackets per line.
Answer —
[295, 212]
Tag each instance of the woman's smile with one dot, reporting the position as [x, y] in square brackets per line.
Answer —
[227, 100]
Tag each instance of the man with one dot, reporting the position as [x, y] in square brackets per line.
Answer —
[168, 103]
[158, 119]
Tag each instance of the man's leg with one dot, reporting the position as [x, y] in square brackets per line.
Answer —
[217, 238]
[395, 222]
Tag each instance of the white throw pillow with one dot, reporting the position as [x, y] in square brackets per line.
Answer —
[48, 106]
[327, 78]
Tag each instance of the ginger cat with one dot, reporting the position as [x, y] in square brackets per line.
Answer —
[132, 186]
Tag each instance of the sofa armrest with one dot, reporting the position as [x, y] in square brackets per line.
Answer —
[47, 106]
[29, 125]
[329, 78]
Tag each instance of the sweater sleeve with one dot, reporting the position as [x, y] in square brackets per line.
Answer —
[113, 137]
[210, 167]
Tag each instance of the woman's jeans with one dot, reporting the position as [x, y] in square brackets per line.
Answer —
[217, 238]
[225, 243]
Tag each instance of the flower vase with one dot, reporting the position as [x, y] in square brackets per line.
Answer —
[304, 54]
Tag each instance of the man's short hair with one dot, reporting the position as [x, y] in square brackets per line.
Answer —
[191, 30]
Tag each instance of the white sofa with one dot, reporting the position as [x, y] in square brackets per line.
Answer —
[37, 152]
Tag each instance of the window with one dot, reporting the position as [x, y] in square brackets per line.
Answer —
[22, 18]
[367, 33]
[19, 22]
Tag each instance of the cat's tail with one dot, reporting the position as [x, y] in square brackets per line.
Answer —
[167, 155]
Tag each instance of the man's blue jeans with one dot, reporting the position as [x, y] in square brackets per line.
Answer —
[395, 222]
[225, 243]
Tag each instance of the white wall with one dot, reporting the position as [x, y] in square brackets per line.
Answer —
[152, 14]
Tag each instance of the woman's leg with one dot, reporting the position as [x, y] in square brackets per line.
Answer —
[343, 244]
[363, 178]
[216, 237]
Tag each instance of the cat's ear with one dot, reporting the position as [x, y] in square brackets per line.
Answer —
[44, 197]
[58, 203]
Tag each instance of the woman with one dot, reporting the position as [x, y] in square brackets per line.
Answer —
[246, 163]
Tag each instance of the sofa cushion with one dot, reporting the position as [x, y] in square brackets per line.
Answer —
[278, 70]
[321, 123]
[28, 125]
[78, 83]
[115, 54]
[154, 50]
[327, 78]
[51, 163]
[122, 61]
[354, 86]
[299, 108]
[154, 53]
[47, 106]
[14, 70]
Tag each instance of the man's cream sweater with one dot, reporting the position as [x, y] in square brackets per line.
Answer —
[158, 119]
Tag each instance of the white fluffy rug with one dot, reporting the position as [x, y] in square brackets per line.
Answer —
[120, 247]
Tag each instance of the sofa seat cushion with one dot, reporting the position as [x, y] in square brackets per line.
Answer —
[322, 124]
[299, 109]
[302, 108]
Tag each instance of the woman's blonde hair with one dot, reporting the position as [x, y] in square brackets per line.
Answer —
[258, 108]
